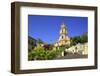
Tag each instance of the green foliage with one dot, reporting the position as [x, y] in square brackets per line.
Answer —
[62, 48]
[41, 54]
[51, 47]
[67, 46]
[84, 38]
[40, 41]
[75, 40]
[47, 53]
[79, 39]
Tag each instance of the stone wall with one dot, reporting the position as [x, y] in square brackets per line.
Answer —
[79, 48]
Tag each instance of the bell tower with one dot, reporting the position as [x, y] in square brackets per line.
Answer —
[63, 38]
[63, 32]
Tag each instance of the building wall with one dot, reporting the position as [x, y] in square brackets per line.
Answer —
[79, 48]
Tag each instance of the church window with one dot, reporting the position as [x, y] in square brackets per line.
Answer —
[62, 37]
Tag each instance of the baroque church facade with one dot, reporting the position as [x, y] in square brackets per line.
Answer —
[65, 40]
[63, 36]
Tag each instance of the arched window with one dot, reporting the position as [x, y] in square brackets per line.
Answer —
[62, 37]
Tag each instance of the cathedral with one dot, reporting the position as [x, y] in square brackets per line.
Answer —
[63, 36]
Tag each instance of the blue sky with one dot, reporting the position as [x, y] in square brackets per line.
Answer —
[47, 28]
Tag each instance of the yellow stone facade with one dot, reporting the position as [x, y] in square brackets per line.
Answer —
[63, 38]
[81, 48]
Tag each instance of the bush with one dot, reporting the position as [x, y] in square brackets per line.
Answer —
[41, 54]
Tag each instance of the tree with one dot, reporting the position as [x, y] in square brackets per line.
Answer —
[40, 41]
[84, 38]
[41, 54]
[75, 40]
[79, 39]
